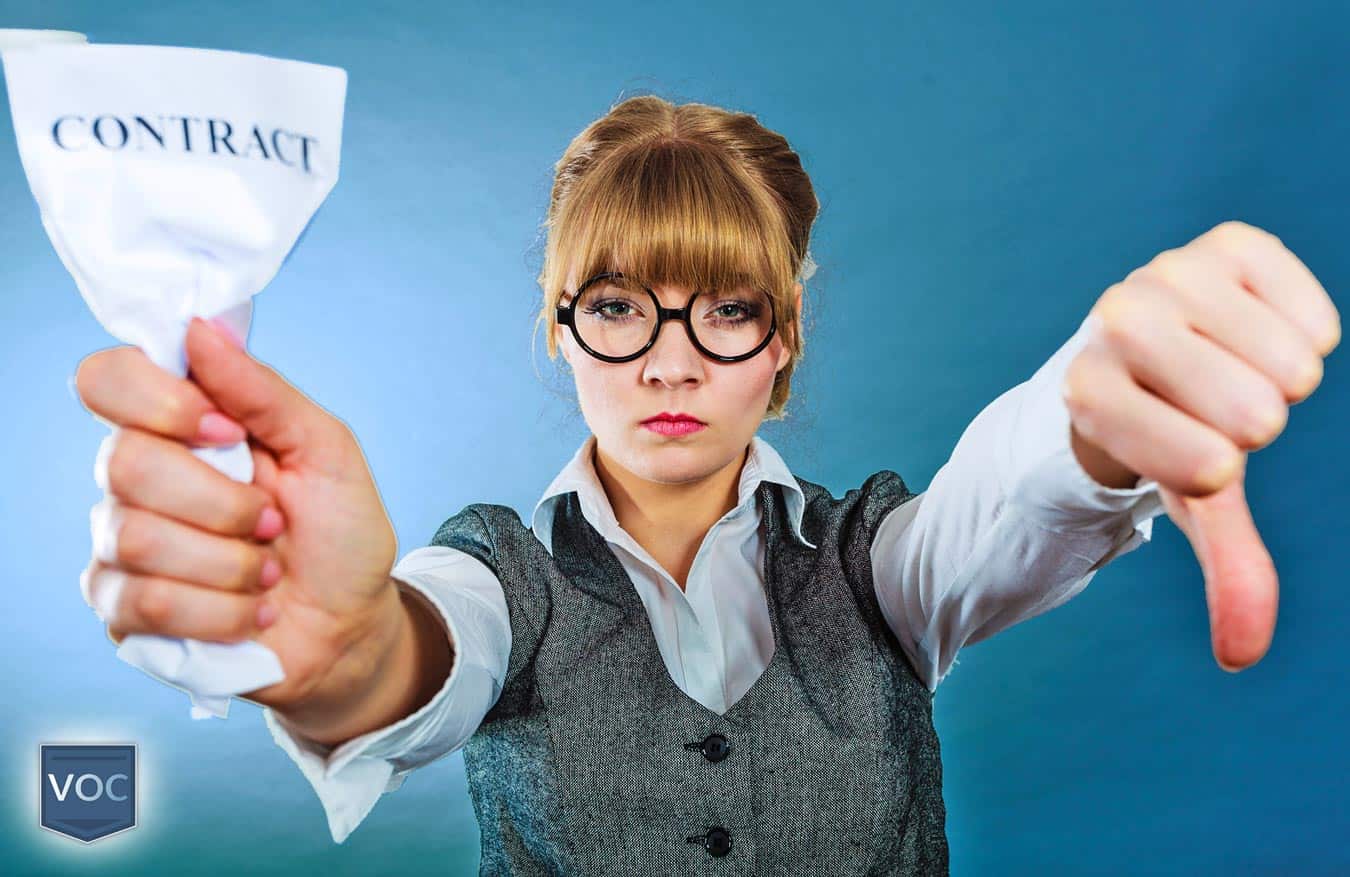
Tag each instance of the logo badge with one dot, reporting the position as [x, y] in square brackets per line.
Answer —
[88, 790]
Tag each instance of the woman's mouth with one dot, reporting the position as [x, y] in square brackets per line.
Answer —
[674, 424]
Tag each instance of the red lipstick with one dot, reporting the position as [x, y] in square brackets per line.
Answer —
[669, 424]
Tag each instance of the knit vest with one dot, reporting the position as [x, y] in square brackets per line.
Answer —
[593, 762]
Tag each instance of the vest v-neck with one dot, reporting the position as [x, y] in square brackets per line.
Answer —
[586, 557]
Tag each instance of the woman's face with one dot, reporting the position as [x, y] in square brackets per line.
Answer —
[673, 377]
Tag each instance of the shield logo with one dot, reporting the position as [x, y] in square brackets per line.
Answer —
[88, 790]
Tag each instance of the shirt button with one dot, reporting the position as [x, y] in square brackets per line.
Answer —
[717, 841]
[715, 747]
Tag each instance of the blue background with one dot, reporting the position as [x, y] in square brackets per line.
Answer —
[986, 170]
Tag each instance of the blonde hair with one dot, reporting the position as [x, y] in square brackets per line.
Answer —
[686, 194]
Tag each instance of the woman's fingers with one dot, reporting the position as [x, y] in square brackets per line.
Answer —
[1144, 432]
[162, 475]
[1205, 288]
[146, 543]
[264, 467]
[122, 387]
[130, 603]
[1147, 332]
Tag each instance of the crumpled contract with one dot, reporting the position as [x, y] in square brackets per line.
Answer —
[173, 182]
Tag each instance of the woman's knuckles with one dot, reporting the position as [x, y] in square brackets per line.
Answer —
[135, 463]
[1261, 423]
[151, 603]
[129, 603]
[136, 541]
[149, 544]
[1243, 404]
[1149, 433]
[123, 386]
[248, 569]
[149, 471]
[122, 462]
[239, 510]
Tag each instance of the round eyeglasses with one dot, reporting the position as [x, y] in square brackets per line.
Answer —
[617, 319]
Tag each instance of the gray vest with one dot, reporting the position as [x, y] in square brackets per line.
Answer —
[594, 762]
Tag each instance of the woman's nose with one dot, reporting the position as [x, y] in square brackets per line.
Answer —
[673, 357]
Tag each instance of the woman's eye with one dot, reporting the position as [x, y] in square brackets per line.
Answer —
[733, 311]
[610, 309]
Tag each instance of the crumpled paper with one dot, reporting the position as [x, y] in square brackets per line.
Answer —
[173, 182]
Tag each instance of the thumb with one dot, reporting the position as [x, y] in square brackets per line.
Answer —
[1241, 585]
[267, 405]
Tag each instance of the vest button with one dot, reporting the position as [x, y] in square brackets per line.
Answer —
[715, 747]
[717, 841]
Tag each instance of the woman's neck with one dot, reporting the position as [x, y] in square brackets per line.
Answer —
[670, 521]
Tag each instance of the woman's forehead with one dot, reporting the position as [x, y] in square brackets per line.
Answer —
[670, 293]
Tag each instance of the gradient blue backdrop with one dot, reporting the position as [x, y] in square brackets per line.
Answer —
[985, 170]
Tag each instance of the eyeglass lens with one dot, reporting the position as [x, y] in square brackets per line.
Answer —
[616, 317]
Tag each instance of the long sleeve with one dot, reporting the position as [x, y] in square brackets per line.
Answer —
[1010, 527]
[468, 599]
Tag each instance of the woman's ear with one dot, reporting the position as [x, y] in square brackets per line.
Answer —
[560, 339]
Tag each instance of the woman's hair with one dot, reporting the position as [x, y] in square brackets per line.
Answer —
[686, 194]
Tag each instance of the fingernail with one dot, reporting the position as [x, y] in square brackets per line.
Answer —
[271, 572]
[270, 525]
[267, 613]
[216, 427]
[223, 330]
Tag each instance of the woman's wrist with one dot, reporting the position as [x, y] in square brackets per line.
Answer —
[384, 682]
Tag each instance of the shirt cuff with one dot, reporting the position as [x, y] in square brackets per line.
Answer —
[350, 778]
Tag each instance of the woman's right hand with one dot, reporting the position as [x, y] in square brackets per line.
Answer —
[191, 543]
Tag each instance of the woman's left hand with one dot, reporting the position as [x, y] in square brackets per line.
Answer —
[1194, 361]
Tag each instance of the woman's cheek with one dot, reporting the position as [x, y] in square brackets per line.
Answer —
[604, 397]
[761, 387]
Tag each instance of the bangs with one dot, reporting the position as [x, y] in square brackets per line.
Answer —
[674, 212]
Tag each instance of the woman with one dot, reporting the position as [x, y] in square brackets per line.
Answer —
[691, 657]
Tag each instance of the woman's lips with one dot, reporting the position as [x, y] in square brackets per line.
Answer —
[674, 427]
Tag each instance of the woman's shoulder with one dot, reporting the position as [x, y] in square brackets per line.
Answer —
[885, 486]
[858, 511]
[484, 529]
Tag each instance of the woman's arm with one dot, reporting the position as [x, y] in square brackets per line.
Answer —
[1013, 525]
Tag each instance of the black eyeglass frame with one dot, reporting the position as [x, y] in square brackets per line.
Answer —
[566, 313]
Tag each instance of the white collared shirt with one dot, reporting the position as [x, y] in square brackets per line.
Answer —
[1010, 527]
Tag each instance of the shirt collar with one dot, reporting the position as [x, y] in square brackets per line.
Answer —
[763, 463]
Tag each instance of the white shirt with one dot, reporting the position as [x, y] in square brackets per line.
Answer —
[1011, 526]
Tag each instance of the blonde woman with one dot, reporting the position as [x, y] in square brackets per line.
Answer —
[690, 659]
